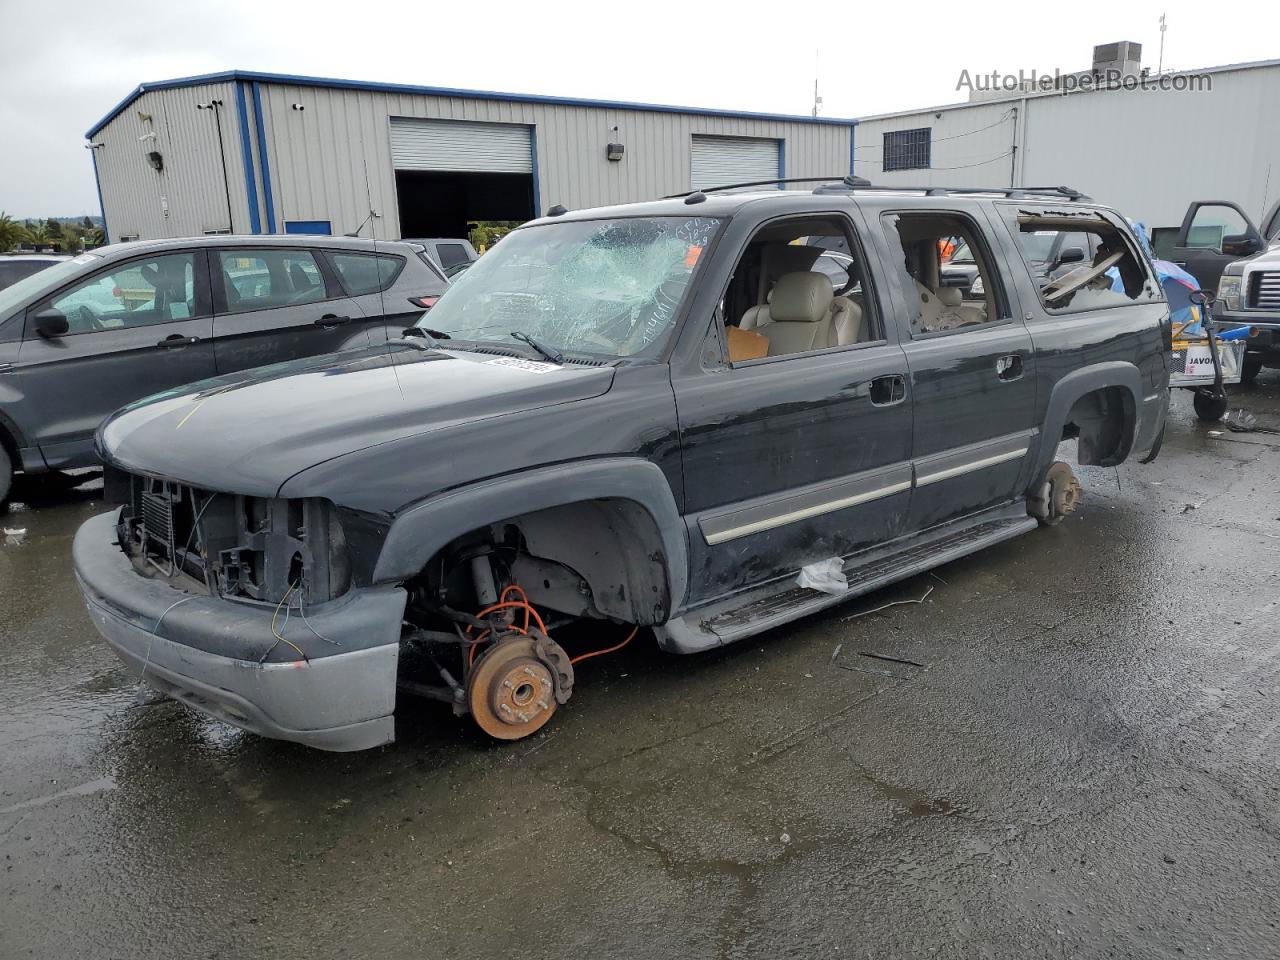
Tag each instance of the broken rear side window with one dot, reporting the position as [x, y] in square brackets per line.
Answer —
[1081, 262]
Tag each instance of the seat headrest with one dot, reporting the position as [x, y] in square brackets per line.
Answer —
[950, 296]
[801, 298]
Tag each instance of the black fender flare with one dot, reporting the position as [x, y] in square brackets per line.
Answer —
[420, 532]
[1073, 386]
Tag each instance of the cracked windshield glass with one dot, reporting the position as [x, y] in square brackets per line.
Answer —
[605, 287]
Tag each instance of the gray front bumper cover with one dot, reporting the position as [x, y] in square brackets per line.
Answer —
[207, 652]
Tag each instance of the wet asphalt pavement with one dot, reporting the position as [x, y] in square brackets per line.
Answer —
[1082, 764]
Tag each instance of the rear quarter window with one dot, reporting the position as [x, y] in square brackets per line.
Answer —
[363, 273]
[1080, 261]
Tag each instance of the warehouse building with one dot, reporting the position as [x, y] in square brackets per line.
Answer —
[243, 152]
[1146, 143]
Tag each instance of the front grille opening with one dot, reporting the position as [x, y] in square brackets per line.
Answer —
[257, 549]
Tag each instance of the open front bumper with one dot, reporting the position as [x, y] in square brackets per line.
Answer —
[221, 658]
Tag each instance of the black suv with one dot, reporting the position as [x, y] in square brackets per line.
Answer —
[659, 415]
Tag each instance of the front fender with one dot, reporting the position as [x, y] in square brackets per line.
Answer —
[1073, 386]
[420, 532]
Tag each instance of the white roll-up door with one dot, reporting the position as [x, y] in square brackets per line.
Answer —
[460, 145]
[723, 160]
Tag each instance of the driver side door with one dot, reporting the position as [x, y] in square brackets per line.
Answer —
[135, 328]
[1213, 234]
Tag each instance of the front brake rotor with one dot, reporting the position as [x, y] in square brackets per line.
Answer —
[511, 691]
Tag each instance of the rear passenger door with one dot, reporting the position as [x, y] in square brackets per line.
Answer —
[274, 304]
[971, 368]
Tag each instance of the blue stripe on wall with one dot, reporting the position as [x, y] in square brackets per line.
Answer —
[263, 164]
[246, 159]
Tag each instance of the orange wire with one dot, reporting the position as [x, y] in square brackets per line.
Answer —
[530, 611]
[600, 653]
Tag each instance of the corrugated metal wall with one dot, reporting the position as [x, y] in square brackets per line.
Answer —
[135, 195]
[1148, 154]
[319, 154]
[970, 147]
[321, 157]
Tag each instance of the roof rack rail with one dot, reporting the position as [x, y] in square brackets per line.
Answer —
[847, 184]
[851, 182]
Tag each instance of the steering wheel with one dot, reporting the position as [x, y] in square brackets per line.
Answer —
[90, 317]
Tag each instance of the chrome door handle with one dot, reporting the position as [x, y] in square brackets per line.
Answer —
[5, 367]
[331, 320]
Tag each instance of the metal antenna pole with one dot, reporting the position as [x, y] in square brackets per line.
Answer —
[215, 106]
[817, 100]
[222, 152]
[1163, 27]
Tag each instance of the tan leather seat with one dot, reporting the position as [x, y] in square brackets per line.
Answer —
[800, 311]
[755, 317]
[845, 317]
[953, 299]
[846, 321]
[945, 309]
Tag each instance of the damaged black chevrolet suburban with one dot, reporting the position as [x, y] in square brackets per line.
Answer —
[650, 416]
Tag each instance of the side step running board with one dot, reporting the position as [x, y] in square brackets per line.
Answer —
[780, 602]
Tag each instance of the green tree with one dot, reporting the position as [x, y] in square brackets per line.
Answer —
[70, 238]
[11, 232]
[37, 232]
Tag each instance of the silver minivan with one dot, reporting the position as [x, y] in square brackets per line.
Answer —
[91, 334]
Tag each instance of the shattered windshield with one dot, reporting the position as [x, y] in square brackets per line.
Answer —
[609, 287]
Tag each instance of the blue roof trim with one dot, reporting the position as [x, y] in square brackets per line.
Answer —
[263, 165]
[285, 78]
[246, 159]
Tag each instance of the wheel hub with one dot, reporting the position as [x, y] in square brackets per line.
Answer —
[1066, 496]
[511, 692]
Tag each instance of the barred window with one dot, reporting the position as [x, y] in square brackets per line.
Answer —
[907, 149]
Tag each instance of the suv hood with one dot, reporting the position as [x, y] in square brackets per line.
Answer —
[249, 432]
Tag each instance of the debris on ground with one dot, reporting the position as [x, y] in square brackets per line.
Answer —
[885, 656]
[886, 606]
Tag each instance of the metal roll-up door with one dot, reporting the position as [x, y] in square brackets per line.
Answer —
[460, 145]
[723, 160]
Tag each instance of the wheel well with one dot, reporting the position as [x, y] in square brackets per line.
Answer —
[594, 558]
[1102, 423]
[10, 447]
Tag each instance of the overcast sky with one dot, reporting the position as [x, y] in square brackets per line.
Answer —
[64, 65]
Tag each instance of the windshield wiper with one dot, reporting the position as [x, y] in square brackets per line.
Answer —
[421, 337]
[554, 356]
